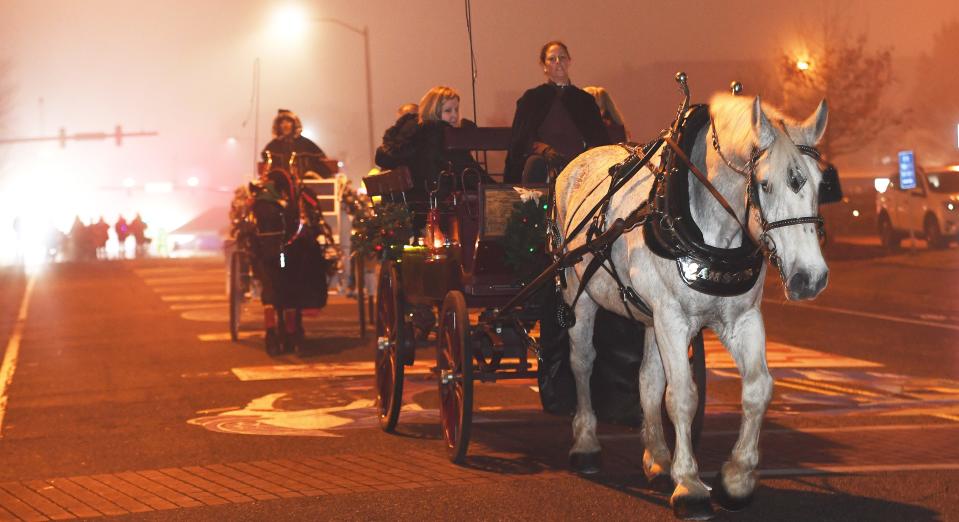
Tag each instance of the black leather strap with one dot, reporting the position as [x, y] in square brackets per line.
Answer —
[709, 186]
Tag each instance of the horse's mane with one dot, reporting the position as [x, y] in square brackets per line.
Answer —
[733, 117]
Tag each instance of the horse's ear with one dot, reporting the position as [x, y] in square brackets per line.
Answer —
[765, 135]
[815, 125]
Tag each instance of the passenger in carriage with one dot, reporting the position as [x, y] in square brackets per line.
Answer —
[288, 138]
[407, 108]
[416, 142]
[554, 122]
[615, 125]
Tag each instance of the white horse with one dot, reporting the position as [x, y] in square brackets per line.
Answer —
[750, 136]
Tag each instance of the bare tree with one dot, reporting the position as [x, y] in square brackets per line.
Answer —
[935, 99]
[838, 66]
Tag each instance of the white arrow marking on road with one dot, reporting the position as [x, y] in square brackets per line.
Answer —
[13, 351]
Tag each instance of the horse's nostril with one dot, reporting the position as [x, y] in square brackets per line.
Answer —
[821, 281]
[799, 282]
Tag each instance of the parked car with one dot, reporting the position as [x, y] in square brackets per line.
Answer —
[931, 210]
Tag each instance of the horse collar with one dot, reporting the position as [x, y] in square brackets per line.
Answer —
[673, 234]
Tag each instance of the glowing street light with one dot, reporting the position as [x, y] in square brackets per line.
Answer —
[289, 20]
[803, 65]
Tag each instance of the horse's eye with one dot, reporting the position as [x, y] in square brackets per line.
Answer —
[764, 184]
[796, 179]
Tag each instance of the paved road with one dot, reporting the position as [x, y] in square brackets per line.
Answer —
[128, 399]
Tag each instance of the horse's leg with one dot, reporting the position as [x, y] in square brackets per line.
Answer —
[652, 384]
[746, 342]
[585, 454]
[690, 498]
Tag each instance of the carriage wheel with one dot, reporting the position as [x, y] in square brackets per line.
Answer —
[697, 368]
[237, 293]
[454, 356]
[390, 335]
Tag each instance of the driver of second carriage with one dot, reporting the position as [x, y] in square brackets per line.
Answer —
[287, 139]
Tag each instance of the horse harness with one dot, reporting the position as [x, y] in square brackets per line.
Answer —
[668, 227]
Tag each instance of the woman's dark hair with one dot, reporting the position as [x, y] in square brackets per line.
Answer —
[547, 45]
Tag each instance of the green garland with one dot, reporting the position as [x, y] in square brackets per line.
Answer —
[525, 239]
[388, 227]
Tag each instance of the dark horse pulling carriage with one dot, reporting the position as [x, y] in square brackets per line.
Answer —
[283, 247]
[459, 265]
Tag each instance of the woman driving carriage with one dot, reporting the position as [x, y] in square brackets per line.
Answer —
[416, 141]
[554, 122]
[287, 139]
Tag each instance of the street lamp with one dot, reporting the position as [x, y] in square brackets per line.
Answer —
[365, 33]
[802, 65]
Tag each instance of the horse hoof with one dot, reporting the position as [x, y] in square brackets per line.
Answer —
[585, 463]
[692, 508]
[661, 482]
[727, 501]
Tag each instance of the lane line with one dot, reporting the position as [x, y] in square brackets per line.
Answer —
[13, 351]
[815, 469]
[807, 431]
[866, 314]
[834, 387]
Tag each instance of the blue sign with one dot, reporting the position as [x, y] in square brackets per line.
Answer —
[907, 170]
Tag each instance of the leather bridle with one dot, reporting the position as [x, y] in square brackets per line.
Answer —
[765, 241]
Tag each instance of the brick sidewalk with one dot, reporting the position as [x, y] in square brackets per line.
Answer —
[500, 454]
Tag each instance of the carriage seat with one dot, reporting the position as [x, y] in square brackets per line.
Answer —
[391, 184]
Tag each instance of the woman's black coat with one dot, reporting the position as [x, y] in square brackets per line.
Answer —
[420, 147]
[531, 110]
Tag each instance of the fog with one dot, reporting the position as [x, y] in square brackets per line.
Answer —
[185, 70]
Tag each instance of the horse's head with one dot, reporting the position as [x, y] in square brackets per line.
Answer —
[784, 195]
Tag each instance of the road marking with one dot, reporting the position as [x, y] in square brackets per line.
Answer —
[195, 306]
[13, 351]
[183, 280]
[193, 297]
[816, 469]
[808, 431]
[781, 355]
[869, 315]
[309, 371]
[808, 389]
[832, 387]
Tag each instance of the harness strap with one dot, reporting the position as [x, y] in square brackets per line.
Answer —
[630, 166]
[710, 187]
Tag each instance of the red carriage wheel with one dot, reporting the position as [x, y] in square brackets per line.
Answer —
[391, 334]
[454, 356]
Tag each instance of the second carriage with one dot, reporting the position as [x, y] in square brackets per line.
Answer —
[451, 288]
[282, 249]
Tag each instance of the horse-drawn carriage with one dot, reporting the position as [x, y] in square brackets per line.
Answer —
[680, 228]
[489, 323]
[283, 249]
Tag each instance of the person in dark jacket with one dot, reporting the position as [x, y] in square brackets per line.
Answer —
[416, 141]
[554, 122]
[288, 138]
